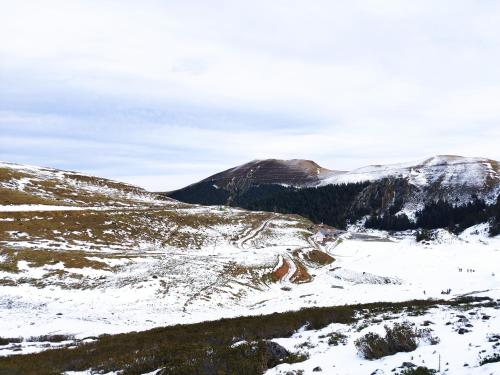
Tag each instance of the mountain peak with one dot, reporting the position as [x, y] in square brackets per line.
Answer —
[294, 172]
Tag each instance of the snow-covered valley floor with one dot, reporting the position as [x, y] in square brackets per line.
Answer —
[153, 286]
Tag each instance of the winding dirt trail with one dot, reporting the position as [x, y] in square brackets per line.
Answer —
[252, 234]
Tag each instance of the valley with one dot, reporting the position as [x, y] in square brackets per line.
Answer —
[82, 256]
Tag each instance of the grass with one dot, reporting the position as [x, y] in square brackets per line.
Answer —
[113, 227]
[8, 197]
[40, 258]
[70, 237]
[50, 188]
[200, 348]
[319, 257]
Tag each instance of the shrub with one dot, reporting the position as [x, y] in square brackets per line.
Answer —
[52, 338]
[194, 348]
[418, 371]
[400, 338]
[426, 335]
[424, 235]
[372, 346]
[10, 340]
[337, 338]
[491, 359]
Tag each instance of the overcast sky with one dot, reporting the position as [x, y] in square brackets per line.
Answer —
[164, 93]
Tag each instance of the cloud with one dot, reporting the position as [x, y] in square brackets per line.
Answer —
[130, 89]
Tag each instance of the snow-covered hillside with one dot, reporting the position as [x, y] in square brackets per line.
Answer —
[82, 256]
[398, 188]
[457, 340]
[23, 184]
[449, 174]
[449, 170]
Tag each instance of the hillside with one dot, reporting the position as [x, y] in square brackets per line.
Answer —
[84, 256]
[445, 177]
[226, 187]
[90, 255]
[30, 185]
[400, 192]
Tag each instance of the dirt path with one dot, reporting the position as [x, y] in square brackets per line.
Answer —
[252, 234]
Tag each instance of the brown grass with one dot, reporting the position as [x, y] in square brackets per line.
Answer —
[319, 257]
[9, 196]
[40, 258]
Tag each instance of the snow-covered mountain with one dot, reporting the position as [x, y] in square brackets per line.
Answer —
[404, 188]
[448, 171]
[446, 177]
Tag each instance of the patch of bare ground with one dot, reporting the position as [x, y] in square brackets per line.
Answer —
[300, 275]
[278, 274]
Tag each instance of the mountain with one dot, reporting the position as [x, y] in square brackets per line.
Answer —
[227, 186]
[295, 172]
[440, 177]
[339, 198]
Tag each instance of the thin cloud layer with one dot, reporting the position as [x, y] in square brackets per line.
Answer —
[164, 93]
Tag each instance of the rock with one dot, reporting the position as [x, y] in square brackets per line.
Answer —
[317, 369]
[276, 350]
[408, 365]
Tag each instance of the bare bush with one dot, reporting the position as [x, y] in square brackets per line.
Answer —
[401, 337]
[426, 335]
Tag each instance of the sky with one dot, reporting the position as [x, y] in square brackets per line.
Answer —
[164, 93]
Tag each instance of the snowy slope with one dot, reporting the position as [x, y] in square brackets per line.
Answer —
[84, 255]
[454, 353]
[449, 172]
[23, 184]
[404, 188]
[96, 266]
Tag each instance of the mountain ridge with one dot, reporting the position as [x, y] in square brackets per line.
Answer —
[346, 197]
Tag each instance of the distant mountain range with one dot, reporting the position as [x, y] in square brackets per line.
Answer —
[339, 197]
